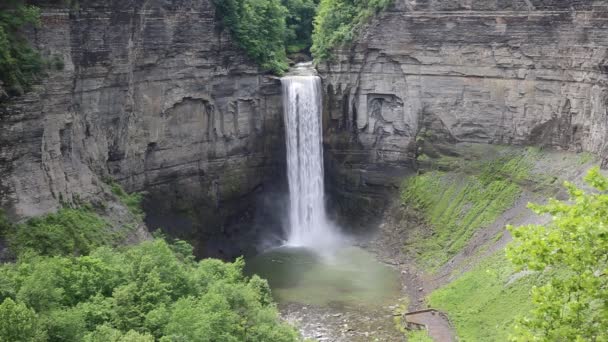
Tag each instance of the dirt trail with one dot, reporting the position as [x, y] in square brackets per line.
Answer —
[436, 322]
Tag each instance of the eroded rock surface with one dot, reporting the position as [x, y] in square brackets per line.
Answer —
[500, 72]
[153, 94]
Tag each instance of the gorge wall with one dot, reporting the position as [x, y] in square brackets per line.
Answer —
[444, 71]
[153, 94]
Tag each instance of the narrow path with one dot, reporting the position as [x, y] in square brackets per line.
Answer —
[436, 323]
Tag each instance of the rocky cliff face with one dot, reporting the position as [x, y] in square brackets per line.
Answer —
[500, 72]
[153, 94]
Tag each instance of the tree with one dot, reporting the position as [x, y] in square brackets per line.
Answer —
[259, 27]
[300, 15]
[573, 247]
[136, 293]
[19, 323]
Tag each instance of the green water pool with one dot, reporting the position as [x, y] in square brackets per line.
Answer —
[347, 277]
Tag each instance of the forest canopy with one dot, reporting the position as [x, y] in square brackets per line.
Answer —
[269, 29]
[151, 291]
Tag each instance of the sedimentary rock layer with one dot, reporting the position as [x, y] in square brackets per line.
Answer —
[501, 72]
[153, 94]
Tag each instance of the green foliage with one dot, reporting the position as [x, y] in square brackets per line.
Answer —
[259, 27]
[418, 336]
[131, 201]
[5, 225]
[105, 333]
[19, 63]
[68, 231]
[141, 293]
[484, 302]
[300, 15]
[574, 305]
[456, 205]
[339, 21]
[585, 157]
[19, 323]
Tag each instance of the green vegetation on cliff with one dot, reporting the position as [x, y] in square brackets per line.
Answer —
[267, 29]
[339, 22]
[68, 231]
[259, 27]
[130, 200]
[457, 204]
[69, 283]
[19, 62]
[300, 16]
[151, 291]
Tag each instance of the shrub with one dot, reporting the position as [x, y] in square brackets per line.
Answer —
[131, 201]
[68, 231]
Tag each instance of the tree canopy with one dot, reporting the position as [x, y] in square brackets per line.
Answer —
[573, 304]
[151, 291]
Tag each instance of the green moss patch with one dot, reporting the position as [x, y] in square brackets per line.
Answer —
[457, 204]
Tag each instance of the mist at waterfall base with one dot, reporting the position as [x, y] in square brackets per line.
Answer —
[316, 263]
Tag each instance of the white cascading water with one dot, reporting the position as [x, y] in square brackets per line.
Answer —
[308, 224]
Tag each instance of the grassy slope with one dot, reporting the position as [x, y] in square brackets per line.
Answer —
[458, 203]
[483, 303]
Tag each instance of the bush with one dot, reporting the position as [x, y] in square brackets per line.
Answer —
[131, 201]
[339, 21]
[140, 293]
[68, 231]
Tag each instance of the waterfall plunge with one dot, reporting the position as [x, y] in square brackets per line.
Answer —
[309, 225]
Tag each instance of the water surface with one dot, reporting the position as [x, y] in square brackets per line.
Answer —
[348, 277]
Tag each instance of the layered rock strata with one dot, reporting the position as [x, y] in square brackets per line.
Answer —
[153, 94]
[526, 72]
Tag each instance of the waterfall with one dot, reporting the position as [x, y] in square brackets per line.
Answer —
[308, 224]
